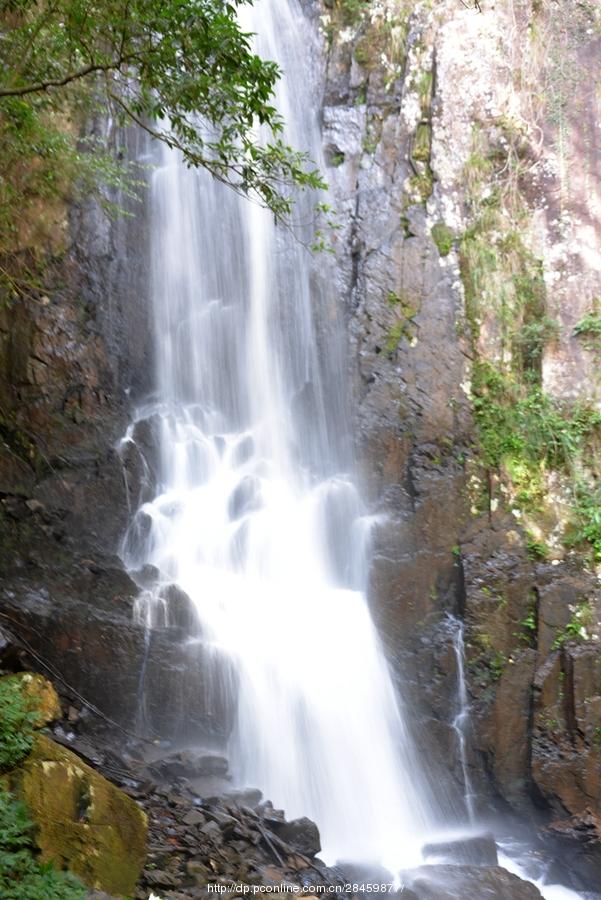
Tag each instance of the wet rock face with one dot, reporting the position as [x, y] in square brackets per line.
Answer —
[577, 843]
[566, 764]
[155, 684]
[73, 358]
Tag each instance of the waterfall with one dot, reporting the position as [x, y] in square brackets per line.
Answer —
[256, 516]
[251, 534]
[462, 717]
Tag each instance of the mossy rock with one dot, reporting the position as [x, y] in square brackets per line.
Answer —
[39, 696]
[84, 823]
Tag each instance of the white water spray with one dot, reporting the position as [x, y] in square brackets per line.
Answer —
[255, 517]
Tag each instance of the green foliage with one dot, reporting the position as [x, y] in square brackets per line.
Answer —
[586, 524]
[536, 549]
[497, 664]
[531, 339]
[16, 725]
[529, 623]
[524, 434]
[527, 424]
[184, 72]
[425, 86]
[578, 627]
[443, 237]
[351, 11]
[422, 185]
[22, 876]
[395, 336]
[589, 328]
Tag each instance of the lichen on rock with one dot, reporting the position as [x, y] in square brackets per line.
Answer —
[84, 823]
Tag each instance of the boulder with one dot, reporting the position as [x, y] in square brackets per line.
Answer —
[475, 850]
[465, 883]
[576, 842]
[189, 764]
[84, 823]
[39, 695]
[302, 834]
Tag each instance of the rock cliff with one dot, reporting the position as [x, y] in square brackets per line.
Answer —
[463, 153]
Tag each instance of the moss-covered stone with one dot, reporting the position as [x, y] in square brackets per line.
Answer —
[85, 824]
[39, 696]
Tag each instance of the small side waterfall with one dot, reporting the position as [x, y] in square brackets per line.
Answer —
[255, 516]
[461, 718]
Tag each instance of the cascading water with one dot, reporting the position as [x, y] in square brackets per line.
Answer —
[254, 517]
[462, 716]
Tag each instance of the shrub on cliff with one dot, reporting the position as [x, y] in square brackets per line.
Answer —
[21, 875]
[17, 722]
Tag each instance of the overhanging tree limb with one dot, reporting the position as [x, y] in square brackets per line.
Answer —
[114, 66]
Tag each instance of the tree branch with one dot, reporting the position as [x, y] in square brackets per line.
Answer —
[41, 86]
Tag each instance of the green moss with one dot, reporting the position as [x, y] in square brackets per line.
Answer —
[425, 86]
[363, 51]
[443, 237]
[84, 822]
[405, 327]
[421, 186]
[422, 143]
[405, 225]
[395, 336]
